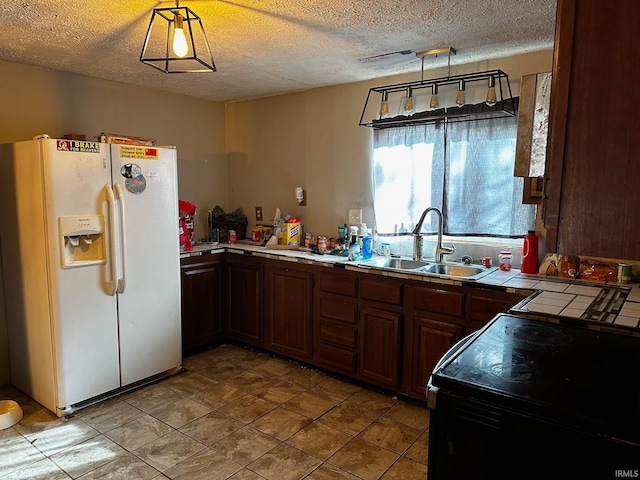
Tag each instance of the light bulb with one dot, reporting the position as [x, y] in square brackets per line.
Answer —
[491, 93]
[408, 102]
[180, 47]
[434, 103]
[460, 100]
[384, 105]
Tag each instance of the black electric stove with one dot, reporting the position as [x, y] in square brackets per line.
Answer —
[528, 399]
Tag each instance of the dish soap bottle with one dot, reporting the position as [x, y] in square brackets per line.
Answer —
[367, 244]
[354, 248]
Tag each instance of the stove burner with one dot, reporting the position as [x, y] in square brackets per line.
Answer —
[542, 335]
[513, 372]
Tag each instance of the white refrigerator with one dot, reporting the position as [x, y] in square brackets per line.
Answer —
[90, 261]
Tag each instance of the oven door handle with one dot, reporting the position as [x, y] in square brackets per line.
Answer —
[432, 391]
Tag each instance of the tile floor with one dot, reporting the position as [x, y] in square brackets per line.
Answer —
[233, 413]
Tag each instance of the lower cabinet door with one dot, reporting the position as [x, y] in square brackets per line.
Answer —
[379, 346]
[431, 340]
[289, 302]
[244, 301]
[201, 302]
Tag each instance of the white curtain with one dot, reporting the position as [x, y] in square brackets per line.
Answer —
[464, 168]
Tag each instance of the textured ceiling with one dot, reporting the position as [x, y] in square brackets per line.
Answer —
[269, 47]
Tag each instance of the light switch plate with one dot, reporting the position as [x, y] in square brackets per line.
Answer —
[355, 216]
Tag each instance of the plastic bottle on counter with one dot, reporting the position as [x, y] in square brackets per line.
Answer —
[367, 244]
[530, 253]
[354, 248]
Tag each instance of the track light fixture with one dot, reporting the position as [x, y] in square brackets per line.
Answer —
[497, 100]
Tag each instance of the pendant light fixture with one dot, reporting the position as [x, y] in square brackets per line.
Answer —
[434, 103]
[492, 98]
[460, 98]
[176, 42]
[384, 105]
[495, 102]
[408, 107]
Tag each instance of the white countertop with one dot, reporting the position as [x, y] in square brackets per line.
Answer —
[549, 295]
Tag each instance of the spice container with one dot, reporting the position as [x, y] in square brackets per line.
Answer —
[322, 244]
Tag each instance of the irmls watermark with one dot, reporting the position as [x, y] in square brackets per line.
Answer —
[627, 473]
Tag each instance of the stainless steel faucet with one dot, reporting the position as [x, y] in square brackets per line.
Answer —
[417, 238]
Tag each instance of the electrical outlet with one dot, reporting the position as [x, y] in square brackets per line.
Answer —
[355, 216]
[258, 214]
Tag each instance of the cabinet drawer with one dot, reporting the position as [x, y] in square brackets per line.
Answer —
[339, 311]
[484, 308]
[337, 333]
[338, 358]
[439, 301]
[342, 283]
[379, 291]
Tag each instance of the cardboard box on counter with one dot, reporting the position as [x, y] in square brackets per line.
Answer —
[291, 233]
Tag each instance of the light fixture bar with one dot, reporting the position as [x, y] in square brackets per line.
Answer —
[505, 106]
[413, 113]
[436, 52]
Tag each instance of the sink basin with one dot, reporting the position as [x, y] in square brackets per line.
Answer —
[397, 263]
[448, 270]
[453, 270]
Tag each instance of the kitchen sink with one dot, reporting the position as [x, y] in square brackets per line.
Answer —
[396, 263]
[453, 270]
[446, 270]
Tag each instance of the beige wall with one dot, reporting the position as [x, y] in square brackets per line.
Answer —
[36, 101]
[312, 139]
[247, 154]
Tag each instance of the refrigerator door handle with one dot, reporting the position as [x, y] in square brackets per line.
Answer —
[123, 243]
[111, 201]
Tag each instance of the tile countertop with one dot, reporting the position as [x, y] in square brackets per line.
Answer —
[599, 305]
[551, 299]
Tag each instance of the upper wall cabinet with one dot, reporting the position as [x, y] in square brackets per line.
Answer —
[533, 123]
[591, 179]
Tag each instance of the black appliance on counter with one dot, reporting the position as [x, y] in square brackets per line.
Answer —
[526, 399]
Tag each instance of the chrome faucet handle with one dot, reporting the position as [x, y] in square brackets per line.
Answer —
[447, 250]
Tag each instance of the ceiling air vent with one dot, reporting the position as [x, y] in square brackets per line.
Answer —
[390, 60]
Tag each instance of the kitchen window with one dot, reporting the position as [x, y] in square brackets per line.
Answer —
[465, 169]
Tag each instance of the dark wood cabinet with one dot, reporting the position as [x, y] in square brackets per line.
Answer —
[431, 340]
[379, 329]
[336, 321]
[201, 301]
[592, 170]
[440, 316]
[244, 293]
[289, 310]
[386, 331]
[438, 321]
[379, 346]
[484, 304]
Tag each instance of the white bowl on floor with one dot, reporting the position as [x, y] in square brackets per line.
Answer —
[10, 413]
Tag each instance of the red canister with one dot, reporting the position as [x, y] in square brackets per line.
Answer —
[530, 253]
[232, 236]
